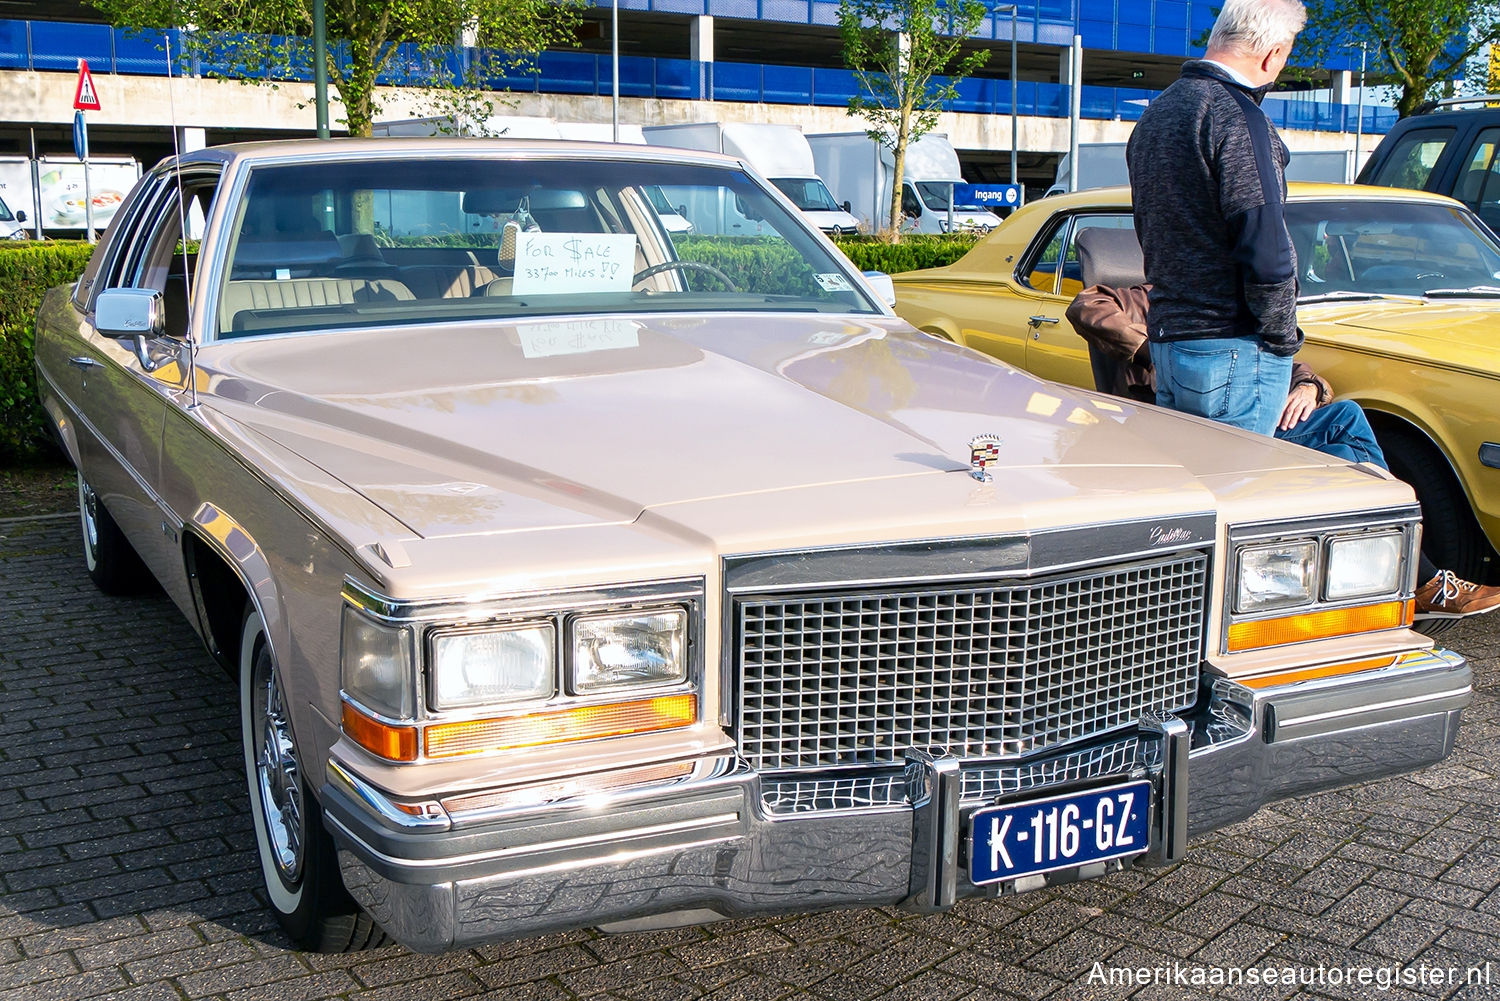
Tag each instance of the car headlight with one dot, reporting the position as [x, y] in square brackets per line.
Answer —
[1310, 579]
[629, 650]
[376, 665]
[1364, 565]
[474, 667]
[1276, 576]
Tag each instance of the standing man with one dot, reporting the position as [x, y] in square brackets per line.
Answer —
[1207, 175]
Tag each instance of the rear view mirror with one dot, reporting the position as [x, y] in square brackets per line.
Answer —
[846, 207]
[21, 216]
[883, 286]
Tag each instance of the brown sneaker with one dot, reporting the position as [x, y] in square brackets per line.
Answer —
[1447, 596]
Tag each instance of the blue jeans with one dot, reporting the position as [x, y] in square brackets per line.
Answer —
[1339, 429]
[1232, 380]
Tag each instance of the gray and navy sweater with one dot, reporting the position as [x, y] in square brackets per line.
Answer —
[1207, 175]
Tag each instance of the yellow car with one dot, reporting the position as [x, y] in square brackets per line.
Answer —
[1400, 301]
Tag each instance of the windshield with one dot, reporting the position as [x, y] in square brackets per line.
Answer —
[809, 194]
[1376, 247]
[5, 215]
[417, 240]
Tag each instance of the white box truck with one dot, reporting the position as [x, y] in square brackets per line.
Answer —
[537, 127]
[780, 153]
[860, 171]
[1102, 165]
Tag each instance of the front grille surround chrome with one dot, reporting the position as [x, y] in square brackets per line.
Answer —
[857, 789]
[998, 669]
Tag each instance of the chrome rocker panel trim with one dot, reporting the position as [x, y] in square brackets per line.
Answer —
[703, 846]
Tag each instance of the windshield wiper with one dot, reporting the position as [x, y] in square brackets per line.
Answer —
[1350, 295]
[1473, 291]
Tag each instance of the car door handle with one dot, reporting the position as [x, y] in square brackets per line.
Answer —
[83, 362]
[1037, 321]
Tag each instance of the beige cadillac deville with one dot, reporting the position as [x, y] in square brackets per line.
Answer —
[577, 572]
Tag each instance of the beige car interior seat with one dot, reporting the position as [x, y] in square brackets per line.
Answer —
[255, 294]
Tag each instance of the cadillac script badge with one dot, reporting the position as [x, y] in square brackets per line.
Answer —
[983, 451]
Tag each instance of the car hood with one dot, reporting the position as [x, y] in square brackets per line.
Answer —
[833, 421]
[828, 218]
[1457, 332]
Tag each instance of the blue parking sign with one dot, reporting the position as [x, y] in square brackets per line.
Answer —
[990, 195]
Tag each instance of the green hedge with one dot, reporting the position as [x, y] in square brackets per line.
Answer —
[762, 264]
[27, 271]
[911, 254]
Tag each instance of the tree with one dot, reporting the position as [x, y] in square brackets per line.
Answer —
[266, 40]
[1414, 44]
[898, 49]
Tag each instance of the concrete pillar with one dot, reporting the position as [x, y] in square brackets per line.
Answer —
[1341, 87]
[701, 51]
[191, 138]
[1064, 65]
[702, 42]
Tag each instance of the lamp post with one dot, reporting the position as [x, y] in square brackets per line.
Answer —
[1359, 121]
[614, 66]
[1012, 9]
[320, 67]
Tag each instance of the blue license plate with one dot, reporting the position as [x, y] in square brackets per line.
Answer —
[1059, 832]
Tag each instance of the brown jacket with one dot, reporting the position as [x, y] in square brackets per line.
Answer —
[1113, 321]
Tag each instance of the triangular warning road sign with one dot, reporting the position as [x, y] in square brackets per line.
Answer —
[85, 98]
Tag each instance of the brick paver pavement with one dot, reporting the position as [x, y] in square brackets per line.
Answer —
[127, 868]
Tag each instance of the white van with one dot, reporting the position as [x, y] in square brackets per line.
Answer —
[12, 224]
[780, 153]
[860, 171]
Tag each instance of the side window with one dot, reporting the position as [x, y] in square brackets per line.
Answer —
[1072, 271]
[1479, 184]
[1410, 163]
[910, 204]
[166, 257]
[1040, 270]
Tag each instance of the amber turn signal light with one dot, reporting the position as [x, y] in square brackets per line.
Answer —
[394, 743]
[1318, 625]
[447, 740]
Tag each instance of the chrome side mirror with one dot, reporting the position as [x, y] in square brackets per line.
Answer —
[139, 316]
[883, 286]
[130, 312]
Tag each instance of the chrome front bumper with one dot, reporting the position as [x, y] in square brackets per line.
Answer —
[710, 844]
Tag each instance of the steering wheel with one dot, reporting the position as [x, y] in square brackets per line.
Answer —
[657, 269]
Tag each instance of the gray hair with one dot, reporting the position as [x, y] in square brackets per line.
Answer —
[1256, 26]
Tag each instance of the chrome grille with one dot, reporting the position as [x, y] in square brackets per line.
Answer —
[979, 671]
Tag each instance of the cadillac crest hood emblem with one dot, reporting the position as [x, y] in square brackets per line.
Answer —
[984, 450]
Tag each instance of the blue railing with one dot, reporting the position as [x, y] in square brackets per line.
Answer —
[48, 45]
